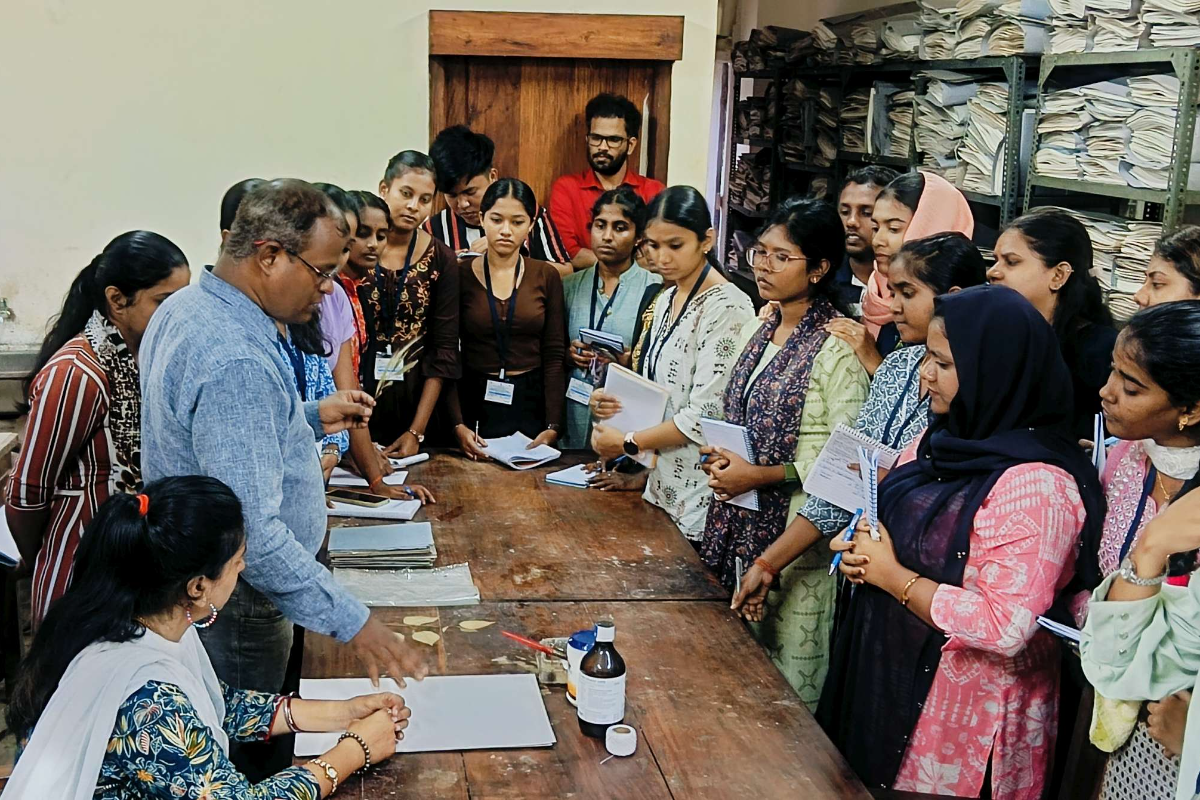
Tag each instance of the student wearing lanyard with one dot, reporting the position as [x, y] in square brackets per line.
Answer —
[513, 332]
[693, 343]
[604, 297]
[410, 305]
[894, 413]
[1151, 402]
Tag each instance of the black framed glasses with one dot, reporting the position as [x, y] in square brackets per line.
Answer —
[613, 142]
[323, 275]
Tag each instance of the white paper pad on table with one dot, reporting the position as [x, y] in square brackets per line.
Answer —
[575, 476]
[408, 544]
[449, 712]
[735, 439]
[510, 451]
[411, 588]
[1058, 629]
[403, 510]
[344, 477]
[643, 404]
[832, 480]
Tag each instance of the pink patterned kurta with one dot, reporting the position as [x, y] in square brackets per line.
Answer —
[995, 693]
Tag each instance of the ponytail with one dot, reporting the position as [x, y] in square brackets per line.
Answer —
[128, 567]
[131, 262]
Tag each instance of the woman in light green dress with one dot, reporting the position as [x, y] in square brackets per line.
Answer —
[605, 298]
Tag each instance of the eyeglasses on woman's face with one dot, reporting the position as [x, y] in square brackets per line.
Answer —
[777, 261]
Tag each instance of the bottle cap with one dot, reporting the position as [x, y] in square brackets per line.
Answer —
[605, 631]
[620, 740]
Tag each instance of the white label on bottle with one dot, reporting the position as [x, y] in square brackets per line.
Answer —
[601, 700]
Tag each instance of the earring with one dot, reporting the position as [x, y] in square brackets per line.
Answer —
[206, 623]
[1183, 423]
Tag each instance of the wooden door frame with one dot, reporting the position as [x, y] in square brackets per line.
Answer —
[641, 37]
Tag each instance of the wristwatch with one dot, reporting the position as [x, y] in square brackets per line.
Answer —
[331, 450]
[1128, 573]
[330, 772]
[631, 446]
[420, 436]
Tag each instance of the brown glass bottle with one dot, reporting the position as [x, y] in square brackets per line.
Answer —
[601, 689]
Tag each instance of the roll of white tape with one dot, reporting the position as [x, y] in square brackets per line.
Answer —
[620, 740]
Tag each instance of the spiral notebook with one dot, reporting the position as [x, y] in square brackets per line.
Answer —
[735, 439]
[831, 477]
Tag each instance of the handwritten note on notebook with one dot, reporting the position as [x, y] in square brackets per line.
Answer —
[831, 477]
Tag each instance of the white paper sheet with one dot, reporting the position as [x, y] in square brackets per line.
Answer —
[344, 477]
[510, 451]
[575, 476]
[394, 509]
[449, 712]
[643, 404]
[831, 478]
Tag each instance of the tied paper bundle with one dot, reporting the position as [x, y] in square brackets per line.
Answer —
[1121, 248]
[853, 120]
[939, 29]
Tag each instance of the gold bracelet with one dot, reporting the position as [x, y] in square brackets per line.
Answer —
[331, 774]
[907, 586]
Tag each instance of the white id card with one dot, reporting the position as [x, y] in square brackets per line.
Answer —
[579, 391]
[499, 392]
[385, 370]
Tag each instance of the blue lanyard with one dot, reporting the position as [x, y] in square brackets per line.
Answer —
[1147, 488]
[503, 335]
[660, 341]
[887, 430]
[297, 359]
[379, 279]
[607, 308]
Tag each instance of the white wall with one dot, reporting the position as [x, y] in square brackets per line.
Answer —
[139, 114]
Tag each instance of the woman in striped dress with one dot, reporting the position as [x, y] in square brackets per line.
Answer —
[82, 440]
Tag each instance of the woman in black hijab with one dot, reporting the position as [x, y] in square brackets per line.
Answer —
[941, 671]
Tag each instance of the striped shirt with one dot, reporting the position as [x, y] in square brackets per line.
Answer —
[65, 466]
[543, 242]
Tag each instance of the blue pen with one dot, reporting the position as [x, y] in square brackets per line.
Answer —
[704, 458]
[847, 536]
[409, 492]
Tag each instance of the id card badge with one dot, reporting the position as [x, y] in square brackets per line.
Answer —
[385, 370]
[579, 391]
[499, 392]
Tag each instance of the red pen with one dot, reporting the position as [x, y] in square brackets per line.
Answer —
[528, 642]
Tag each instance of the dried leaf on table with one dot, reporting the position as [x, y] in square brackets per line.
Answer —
[475, 624]
[426, 637]
[418, 621]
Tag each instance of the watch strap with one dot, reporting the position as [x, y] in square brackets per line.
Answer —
[330, 771]
[1128, 573]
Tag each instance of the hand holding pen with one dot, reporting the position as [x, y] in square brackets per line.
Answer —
[847, 536]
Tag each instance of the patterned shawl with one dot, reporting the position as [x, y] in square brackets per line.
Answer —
[771, 411]
[124, 401]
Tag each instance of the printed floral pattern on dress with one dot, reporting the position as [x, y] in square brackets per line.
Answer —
[400, 311]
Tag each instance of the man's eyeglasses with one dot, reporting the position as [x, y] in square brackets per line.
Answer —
[323, 275]
[613, 142]
[771, 262]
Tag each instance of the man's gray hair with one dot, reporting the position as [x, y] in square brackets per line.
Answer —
[284, 211]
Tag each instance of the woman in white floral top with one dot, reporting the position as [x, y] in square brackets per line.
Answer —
[693, 343]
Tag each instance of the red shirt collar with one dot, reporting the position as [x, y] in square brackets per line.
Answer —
[632, 179]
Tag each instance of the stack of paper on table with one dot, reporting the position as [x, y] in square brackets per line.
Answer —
[643, 404]
[576, 476]
[394, 509]
[383, 546]
[831, 478]
[346, 478]
[513, 451]
[413, 588]
[449, 712]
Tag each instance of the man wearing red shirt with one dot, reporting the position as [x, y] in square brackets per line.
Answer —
[613, 123]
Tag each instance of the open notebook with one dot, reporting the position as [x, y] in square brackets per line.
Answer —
[831, 477]
[511, 451]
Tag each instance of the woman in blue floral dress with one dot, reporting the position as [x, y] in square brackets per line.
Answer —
[117, 698]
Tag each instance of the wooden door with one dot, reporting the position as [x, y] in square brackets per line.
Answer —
[514, 78]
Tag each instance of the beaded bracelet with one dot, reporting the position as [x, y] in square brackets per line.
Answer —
[361, 743]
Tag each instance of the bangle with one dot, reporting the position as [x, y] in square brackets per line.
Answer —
[904, 593]
[287, 715]
[373, 483]
[361, 743]
[767, 567]
[331, 774]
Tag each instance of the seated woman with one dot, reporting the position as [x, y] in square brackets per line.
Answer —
[117, 698]
[1152, 403]
[691, 348]
[790, 387]
[1174, 270]
[513, 332]
[83, 435]
[604, 297]
[941, 673]
[913, 206]
[1046, 255]
[894, 414]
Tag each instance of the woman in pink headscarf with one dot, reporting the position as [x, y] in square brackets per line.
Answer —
[913, 206]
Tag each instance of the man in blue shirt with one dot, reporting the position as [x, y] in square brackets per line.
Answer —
[219, 399]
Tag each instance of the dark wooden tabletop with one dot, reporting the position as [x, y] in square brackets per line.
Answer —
[715, 719]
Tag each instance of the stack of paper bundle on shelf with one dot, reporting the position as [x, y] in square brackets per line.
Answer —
[853, 120]
[981, 149]
[942, 116]
[939, 29]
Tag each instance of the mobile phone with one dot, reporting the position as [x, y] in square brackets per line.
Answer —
[356, 498]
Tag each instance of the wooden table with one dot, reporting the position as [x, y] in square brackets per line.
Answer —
[715, 718]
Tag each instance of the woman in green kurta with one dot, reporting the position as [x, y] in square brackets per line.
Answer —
[791, 386]
[605, 297]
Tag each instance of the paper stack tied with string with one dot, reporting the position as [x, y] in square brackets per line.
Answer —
[868, 465]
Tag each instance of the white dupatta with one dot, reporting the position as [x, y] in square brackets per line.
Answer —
[66, 750]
